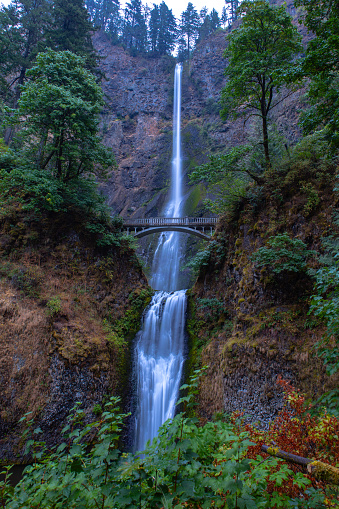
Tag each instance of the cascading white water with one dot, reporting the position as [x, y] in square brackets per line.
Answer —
[159, 352]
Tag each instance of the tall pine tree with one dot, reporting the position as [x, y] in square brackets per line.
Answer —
[162, 29]
[189, 27]
[134, 34]
[23, 27]
[72, 30]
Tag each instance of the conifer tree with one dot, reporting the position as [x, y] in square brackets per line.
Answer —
[224, 17]
[168, 30]
[23, 27]
[210, 23]
[189, 26]
[114, 23]
[232, 8]
[154, 27]
[72, 30]
[134, 34]
[105, 14]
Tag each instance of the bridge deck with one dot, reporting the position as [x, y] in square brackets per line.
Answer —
[190, 222]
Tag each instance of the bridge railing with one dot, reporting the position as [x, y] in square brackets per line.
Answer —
[170, 221]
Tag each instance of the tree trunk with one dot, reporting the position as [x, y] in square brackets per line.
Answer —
[319, 470]
[265, 141]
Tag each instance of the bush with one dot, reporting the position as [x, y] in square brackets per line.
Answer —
[53, 306]
[187, 465]
[203, 258]
[283, 254]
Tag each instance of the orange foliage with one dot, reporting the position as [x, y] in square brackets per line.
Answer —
[295, 430]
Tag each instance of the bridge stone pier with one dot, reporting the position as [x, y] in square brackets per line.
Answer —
[201, 227]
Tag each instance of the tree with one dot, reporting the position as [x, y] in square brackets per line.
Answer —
[168, 30]
[135, 27]
[154, 27]
[321, 66]
[224, 17]
[106, 15]
[72, 30]
[260, 53]
[162, 29]
[232, 8]
[22, 35]
[59, 106]
[210, 23]
[189, 26]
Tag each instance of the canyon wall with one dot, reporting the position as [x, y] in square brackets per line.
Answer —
[137, 122]
[68, 313]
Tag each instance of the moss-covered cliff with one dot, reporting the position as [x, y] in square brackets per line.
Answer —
[249, 323]
[68, 311]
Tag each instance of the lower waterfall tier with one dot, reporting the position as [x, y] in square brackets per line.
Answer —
[159, 361]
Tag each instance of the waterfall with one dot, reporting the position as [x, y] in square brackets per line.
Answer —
[159, 351]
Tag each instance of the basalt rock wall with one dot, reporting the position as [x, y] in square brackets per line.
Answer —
[250, 324]
[68, 314]
[137, 121]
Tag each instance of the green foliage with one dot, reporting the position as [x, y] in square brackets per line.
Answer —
[226, 178]
[28, 27]
[72, 30]
[97, 409]
[162, 29]
[260, 54]
[210, 23]
[283, 254]
[213, 306]
[122, 330]
[320, 66]
[59, 108]
[53, 306]
[189, 27]
[22, 36]
[237, 176]
[203, 258]
[134, 35]
[186, 465]
[325, 302]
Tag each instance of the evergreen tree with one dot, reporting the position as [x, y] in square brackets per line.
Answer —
[22, 35]
[114, 23]
[215, 20]
[182, 49]
[232, 9]
[162, 29]
[210, 23]
[105, 14]
[224, 17]
[189, 27]
[134, 26]
[72, 30]
[168, 30]
[154, 27]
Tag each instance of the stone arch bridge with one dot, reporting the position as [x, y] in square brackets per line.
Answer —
[201, 227]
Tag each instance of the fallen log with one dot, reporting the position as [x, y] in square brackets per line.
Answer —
[319, 470]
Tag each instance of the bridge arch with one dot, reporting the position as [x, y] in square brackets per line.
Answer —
[181, 229]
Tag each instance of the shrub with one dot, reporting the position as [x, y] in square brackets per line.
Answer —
[187, 465]
[283, 254]
[53, 306]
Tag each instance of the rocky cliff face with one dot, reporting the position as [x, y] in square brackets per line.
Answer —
[68, 311]
[137, 121]
[249, 324]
